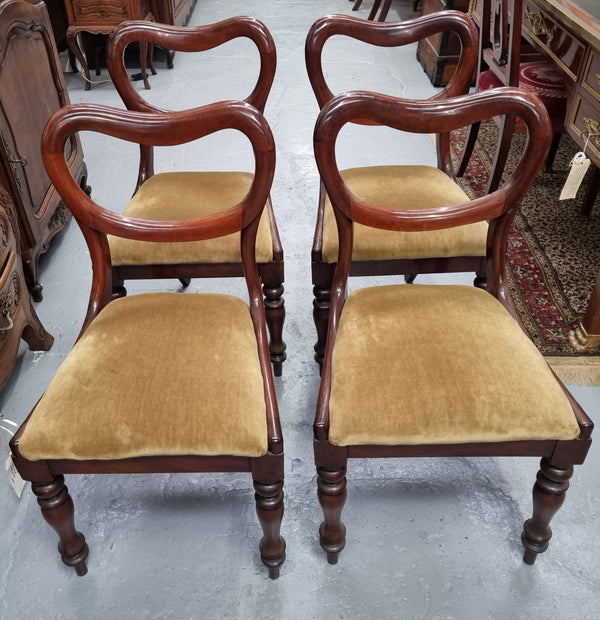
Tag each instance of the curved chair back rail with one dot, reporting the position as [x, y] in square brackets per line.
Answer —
[190, 39]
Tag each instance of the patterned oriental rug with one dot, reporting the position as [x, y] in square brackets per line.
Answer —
[553, 254]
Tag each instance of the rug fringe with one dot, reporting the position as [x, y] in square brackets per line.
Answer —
[578, 370]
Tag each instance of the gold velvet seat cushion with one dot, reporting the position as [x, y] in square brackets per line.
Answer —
[156, 374]
[404, 187]
[427, 364]
[187, 195]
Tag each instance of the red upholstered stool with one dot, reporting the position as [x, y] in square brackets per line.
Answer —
[541, 78]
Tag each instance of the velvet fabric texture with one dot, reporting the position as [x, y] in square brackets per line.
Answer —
[156, 374]
[404, 187]
[187, 195]
[436, 364]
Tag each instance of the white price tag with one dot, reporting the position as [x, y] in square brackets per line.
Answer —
[579, 166]
[16, 482]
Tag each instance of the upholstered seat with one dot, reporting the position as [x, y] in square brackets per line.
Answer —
[461, 378]
[404, 187]
[184, 195]
[112, 398]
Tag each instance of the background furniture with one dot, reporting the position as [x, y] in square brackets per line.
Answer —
[376, 252]
[98, 17]
[160, 382]
[17, 317]
[180, 195]
[440, 53]
[568, 33]
[30, 71]
[437, 370]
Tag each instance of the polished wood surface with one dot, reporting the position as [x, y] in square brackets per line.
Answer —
[30, 71]
[17, 316]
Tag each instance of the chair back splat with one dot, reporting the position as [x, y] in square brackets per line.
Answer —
[177, 195]
[201, 361]
[441, 370]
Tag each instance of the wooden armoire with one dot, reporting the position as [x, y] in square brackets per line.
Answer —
[32, 88]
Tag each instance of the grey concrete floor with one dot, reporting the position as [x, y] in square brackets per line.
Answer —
[426, 538]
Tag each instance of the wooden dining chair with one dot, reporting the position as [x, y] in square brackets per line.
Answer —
[505, 59]
[168, 195]
[437, 370]
[160, 382]
[376, 252]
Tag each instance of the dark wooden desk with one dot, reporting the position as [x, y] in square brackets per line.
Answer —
[568, 32]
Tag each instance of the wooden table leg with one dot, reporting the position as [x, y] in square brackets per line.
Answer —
[586, 336]
[73, 44]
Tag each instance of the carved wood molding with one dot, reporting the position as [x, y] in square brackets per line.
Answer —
[539, 25]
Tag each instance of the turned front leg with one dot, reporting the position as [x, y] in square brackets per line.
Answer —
[321, 306]
[57, 508]
[269, 508]
[548, 496]
[332, 496]
[275, 317]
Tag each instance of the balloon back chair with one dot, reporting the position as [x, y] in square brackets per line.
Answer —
[437, 370]
[377, 252]
[170, 195]
[199, 361]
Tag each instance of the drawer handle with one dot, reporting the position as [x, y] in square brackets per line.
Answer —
[7, 317]
[538, 24]
[21, 160]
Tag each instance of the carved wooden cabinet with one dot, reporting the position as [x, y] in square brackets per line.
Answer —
[32, 88]
[17, 317]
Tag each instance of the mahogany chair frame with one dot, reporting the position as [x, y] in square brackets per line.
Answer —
[164, 129]
[557, 456]
[199, 39]
[386, 35]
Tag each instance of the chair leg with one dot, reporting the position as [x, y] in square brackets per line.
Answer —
[332, 496]
[269, 508]
[385, 9]
[469, 146]
[374, 10]
[507, 130]
[185, 282]
[548, 496]
[556, 136]
[57, 508]
[272, 280]
[321, 305]
[592, 192]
